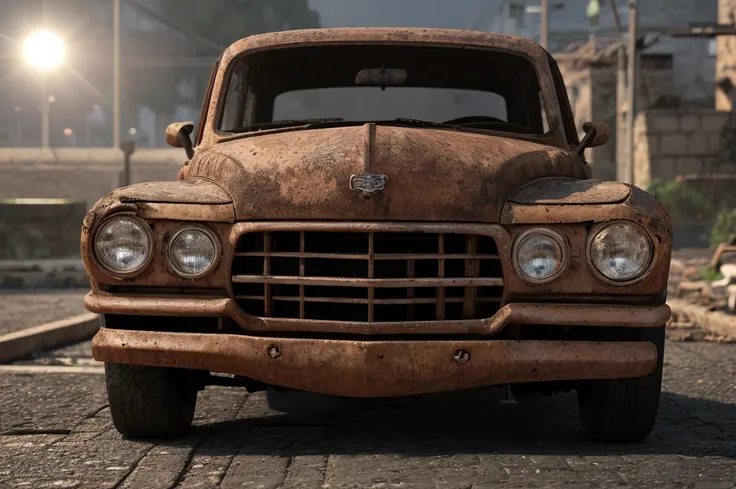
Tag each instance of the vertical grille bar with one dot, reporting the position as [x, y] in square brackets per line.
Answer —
[371, 273]
[410, 293]
[441, 273]
[301, 274]
[267, 295]
[472, 269]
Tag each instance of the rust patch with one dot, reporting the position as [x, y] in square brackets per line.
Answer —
[378, 369]
[548, 314]
[567, 191]
[306, 174]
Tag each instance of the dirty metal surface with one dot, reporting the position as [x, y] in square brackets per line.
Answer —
[565, 191]
[549, 314]
[378, 368]
[433, 174]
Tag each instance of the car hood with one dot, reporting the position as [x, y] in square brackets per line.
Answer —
[433, 174]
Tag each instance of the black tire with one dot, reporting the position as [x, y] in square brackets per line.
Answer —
[151, 401]
[623, 410]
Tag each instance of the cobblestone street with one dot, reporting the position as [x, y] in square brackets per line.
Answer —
[56, 431]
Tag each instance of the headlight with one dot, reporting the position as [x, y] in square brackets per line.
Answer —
[539, 255]
[194, 251]
[621, 251]
[123, 245]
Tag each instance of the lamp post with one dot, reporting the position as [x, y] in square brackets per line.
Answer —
[116, 75]
[44, 51]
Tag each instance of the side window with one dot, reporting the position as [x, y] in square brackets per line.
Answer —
[545, 115]
[236, 98]
[206, 105]
[567, 118]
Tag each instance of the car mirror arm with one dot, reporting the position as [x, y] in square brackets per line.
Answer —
[596, 134]
[178, 135]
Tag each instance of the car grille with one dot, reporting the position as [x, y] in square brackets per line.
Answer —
[367, 276]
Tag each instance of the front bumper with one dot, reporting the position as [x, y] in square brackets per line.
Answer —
[378, 368]
[516, 313]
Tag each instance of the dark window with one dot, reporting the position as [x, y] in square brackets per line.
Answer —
[440, 85]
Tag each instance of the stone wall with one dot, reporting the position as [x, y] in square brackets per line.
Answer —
[37, 229]
[592, 91]
[79, 174]
[671, 143]
[726, 58]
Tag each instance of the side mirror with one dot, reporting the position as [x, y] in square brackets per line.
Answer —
[178, 135]
[596, 134]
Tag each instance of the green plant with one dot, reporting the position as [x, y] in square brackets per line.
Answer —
[724, 227]
[681, 200]
[709, 274]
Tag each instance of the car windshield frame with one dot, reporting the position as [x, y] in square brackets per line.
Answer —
[544, 123]
[538, 57]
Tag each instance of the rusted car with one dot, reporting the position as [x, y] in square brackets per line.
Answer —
[378, 213]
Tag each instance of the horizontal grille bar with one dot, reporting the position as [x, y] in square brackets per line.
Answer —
[346, 300]
[368, 282]
[349, 256]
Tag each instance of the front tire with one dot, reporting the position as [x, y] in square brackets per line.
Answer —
[150, 401]
[623, 410]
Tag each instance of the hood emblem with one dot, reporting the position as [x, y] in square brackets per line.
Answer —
[368, 183]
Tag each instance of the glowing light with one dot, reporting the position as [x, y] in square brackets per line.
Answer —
[44, 50]
[133, 131]
[68, 132]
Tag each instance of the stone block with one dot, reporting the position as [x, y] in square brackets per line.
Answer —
[688, 166]
[699, 144]
[667, 122]
[689, 122]
[674, 144]
[714, 121]
[715, 142]
[652, 142]
[664, 168]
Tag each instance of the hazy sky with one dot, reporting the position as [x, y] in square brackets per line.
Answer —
[457, 14]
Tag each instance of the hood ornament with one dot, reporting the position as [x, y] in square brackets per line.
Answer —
[368, 183]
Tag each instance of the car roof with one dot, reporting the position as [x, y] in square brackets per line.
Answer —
[382, 35]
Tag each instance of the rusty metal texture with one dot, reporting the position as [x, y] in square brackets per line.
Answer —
[187, 212]
[567, 191]
[464, 176]
[378, 369]
[546, 314]
[438, 181]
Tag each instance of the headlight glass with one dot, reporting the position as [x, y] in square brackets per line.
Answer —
[193, 252]
[621, 252]
[123, 245]
[539, 256]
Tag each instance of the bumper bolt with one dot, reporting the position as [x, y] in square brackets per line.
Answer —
[462, 356]
[274, 352]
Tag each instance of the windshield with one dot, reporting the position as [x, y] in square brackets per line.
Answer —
[356, 83]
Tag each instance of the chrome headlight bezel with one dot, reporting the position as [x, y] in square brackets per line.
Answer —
[596, 230]
[124, 274]
[557, 238]
[213, 264]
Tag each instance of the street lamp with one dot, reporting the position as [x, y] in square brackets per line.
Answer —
[44, 51]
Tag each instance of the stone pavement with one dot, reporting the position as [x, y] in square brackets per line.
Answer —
[55, 431]
[20, 309]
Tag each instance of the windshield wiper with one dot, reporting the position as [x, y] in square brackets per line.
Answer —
[287, 123]
[416, 123]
